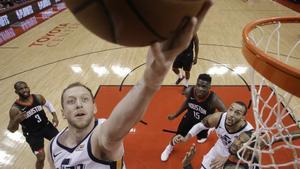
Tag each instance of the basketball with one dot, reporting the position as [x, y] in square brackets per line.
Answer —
[134, 22]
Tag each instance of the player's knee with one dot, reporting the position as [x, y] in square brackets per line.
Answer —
[187, 74]
[41, 156]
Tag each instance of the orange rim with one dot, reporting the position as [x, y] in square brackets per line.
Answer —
[279, 73]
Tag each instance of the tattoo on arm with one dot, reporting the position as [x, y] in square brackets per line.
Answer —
[212, 120]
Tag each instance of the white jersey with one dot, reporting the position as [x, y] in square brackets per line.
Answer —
[225, 139]
[80, 157]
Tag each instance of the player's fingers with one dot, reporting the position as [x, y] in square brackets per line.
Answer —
[214, 167]
[180, 40]
[185, 35]
[21, 116]
[220, 165]
[188, 155]
[153, 52]
[193, 147]
[214, 164]
[203, 12]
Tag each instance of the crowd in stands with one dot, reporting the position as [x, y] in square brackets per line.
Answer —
[6, 4]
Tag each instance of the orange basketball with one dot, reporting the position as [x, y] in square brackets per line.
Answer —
[134, 22]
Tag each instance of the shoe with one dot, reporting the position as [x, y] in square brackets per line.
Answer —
[179, 80]
[200, 141]
[166, 153]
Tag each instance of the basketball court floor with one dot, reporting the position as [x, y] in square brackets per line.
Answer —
[60, 51]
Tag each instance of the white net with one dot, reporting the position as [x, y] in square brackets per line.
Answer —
[274, 143]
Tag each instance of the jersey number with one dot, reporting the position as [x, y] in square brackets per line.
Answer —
[38, 118]
[197, 115]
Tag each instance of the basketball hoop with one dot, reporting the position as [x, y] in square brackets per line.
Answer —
[272, 69]
[275, 91]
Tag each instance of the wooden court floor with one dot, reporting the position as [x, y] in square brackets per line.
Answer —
[74, 54]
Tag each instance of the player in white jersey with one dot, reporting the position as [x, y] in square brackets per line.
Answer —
[105, 141]
[228, 127]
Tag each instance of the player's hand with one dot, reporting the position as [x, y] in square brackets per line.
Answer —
[218, 162]
[189, 156]
[20, 116]
[162, 55]
[55, 121]
[171, 117]
[204, 10]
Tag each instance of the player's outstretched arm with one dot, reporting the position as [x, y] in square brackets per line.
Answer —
[132, 107]
[209, 121]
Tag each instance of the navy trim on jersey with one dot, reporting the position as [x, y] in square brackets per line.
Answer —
[51, 152]
[70, 150]
[89, 150]
[112, 164]
[219, 120]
